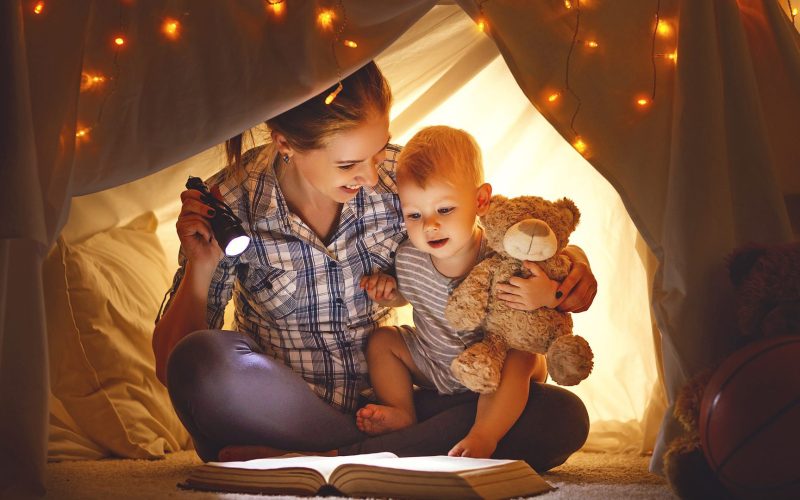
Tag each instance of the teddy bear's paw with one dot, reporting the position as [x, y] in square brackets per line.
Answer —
[688, 472]
[478, 369]
[569, 360]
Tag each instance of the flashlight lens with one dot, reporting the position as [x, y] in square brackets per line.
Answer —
[237, 245]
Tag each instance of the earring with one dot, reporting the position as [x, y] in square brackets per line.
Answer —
[285, 159]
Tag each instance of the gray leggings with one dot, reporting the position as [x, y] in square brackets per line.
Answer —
[226, 391]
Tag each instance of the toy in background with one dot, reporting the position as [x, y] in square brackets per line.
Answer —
[741, 419]
[518, 229]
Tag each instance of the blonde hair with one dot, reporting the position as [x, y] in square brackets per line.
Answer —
[448, 152]
[307, 126]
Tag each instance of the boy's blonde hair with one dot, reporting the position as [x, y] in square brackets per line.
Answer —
[444, 151]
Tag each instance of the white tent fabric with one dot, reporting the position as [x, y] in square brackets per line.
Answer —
[698, 170]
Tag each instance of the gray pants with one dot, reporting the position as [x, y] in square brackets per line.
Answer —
[226, 391]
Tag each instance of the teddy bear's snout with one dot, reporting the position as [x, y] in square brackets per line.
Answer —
[530, 239]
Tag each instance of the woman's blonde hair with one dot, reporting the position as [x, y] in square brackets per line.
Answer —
[307, 126]
[443, 151]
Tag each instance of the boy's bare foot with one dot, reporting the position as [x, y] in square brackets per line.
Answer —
[379, 419]
[236, 453]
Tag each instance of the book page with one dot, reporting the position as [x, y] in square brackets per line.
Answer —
[323, 465]
[442, 463]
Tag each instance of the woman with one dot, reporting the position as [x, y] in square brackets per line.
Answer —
[320, 204]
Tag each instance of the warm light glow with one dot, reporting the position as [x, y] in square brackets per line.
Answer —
[481, 25]
[643, 102]
[664, 28]
[567, 4]
[579, 145]
[553, 97]
[276, 7]
[171, 28]
[794, 11]
[673, 56]
[333, 94]
[325, 18]
[91, 82]
[119, 41]
[591, 44]
[38, 8]
[349, 43]
[82, 133]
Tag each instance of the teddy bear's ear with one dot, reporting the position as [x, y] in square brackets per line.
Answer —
[742, 260]
[497, 200]
[569, 211]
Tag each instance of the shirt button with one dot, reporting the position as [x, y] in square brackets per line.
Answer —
[339, 301]
[332, 264]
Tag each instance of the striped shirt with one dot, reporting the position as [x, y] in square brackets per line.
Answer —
[433, 343]
[293, 294]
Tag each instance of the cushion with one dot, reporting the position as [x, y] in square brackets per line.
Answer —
[102, 296]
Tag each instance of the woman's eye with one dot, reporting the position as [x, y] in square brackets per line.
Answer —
[446, 210]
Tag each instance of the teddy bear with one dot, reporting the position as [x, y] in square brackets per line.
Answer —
[766, 281]
[518, 229]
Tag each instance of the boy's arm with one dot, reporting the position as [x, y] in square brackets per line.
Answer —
[382, 288]
[498, 411]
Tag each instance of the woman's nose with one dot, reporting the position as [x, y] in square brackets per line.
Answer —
[368, 175]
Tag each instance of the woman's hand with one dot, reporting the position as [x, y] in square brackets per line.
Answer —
[194, 230]
[528, 294]
[580, 286]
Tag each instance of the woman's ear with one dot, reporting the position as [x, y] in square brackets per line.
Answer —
[284, 148]
[484, 198]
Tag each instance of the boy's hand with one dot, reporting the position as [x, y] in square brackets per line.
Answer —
[529, 294]
[380, 287]
[475, 446]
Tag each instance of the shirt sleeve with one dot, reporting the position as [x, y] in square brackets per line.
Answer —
[219, 292]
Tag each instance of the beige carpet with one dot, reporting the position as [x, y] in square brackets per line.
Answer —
[585, 475]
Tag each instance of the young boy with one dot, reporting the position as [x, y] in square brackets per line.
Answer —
[442, 194]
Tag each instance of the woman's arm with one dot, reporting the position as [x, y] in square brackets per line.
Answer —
[498, 411]
[187, 309]
[580, 286]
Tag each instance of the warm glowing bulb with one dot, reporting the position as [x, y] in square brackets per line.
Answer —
[643, 102]
[119, 41]
[89, 81]
[82, 133]
[171, 28]
[38, 8]
[325, 18]
[481, 25]
[794, 11]
[567, 4]
[579, 145]
[553, 97]
[349, 43]
[591, 44]
[663, 28]
[276, 7]
[673, 56]
[333, 94]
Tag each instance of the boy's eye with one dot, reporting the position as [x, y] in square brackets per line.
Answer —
[412, 216]
[346, 167]
[446, 210]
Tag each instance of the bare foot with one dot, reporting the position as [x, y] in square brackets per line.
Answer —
[379, 419]
[236, 453]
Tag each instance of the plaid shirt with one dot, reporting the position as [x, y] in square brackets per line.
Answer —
[297, 297]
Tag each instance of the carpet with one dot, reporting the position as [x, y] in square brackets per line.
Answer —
[584, 475]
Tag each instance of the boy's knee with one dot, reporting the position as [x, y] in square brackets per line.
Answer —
[385, 337]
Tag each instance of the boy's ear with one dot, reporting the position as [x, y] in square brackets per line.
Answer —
[484, 198]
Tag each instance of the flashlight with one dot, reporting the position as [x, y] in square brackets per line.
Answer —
[227, 227]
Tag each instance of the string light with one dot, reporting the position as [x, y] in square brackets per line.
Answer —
[119, 41]
[171, 28]
[580, 146]
[673, 56]
[480, 22]
[82, 133]
[481, 25]
[567, 4]
[325, 18]
[591, 44]
[349, 43]
[333, 94]
[276, 6]
[792, 11]
[553, 97]
[643, 102]
[91, 82]
[663, 28]
[38, 8]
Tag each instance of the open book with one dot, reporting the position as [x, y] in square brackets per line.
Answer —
[375, 475]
